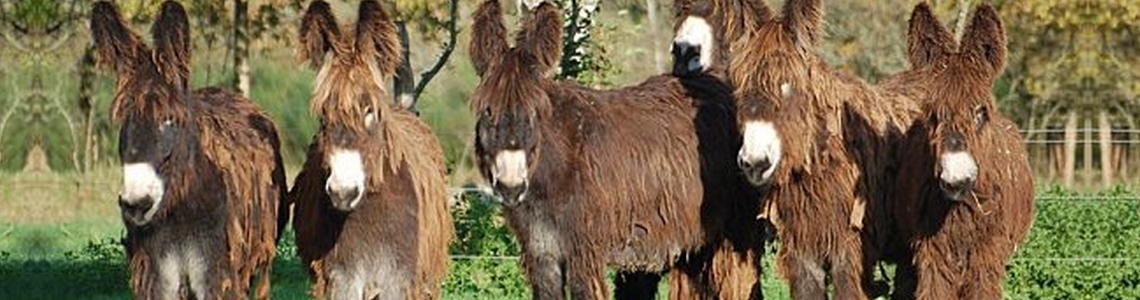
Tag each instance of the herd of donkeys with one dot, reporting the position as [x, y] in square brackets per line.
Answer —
[691, 175]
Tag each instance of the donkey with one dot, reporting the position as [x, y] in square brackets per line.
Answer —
[964, 196]
[638, 178]
[371, 199]
[821, 142]
[202, 172]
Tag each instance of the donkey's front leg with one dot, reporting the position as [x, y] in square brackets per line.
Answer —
[544, 271]
[847, 272]
[805, 275]
[587, 278]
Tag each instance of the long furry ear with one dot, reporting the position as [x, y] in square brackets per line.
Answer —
[488, 37]
[319, 34]
[376, 37]
[985, 39]
[928, 41]
[541, 36]
[116, 46]
[803, 19]
[743, 17]
[171, 32]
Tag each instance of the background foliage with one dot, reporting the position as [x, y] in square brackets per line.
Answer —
[59, 230]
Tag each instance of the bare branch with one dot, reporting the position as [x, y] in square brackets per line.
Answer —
[448, 47]
[405, 82]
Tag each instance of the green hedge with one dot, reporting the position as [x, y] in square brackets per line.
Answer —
[1082, 246]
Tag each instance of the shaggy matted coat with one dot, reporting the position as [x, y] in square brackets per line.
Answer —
[642, 178]
[964, 197]
[392, 242]
[214, 229]
[823, 142]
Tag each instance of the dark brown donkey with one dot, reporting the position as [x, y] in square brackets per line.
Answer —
[822, 143]
[642, 179]
[202, 175]
[964, 197]
[371, 200]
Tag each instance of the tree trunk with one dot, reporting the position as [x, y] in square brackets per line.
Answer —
[1106, 155]
[240, 47]
[404, 85]
[963, 12]
[1070, 149]
[87, 107]
[655, 31]
[1087, 170]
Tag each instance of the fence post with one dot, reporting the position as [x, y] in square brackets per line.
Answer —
[1070, 149]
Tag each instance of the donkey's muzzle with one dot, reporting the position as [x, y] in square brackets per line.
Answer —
[511, 194]
[135, 212]
[754, 170]
[345, 199]
[957, 191]
[686, 59]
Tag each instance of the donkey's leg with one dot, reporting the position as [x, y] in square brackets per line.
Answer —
[984, 278]
[847, 270]
[345, 283]
[936, 276]
[804, 274]
[542, 257]
[905, 280]
[636, 285]
[544, 272]
[735, 273]
[587, 280]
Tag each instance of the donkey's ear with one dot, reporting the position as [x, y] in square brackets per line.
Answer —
[319, 34]
[117, 47]
[985, 39]
[744, 17]
[803, 19]
[541, 36]
[927, 40]
[376, 37]
[489, 36]
[171, 33]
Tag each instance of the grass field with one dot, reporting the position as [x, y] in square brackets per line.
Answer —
[59, 240]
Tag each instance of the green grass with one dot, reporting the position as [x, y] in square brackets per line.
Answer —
[1087, 247]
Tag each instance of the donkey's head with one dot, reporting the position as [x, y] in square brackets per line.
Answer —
[962, 101]
[349, 96]
[509, 100]
[151, 103]
[774, 69]
[705, 28]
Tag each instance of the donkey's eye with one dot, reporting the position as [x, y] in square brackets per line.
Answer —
[981, 116]
[165, 124]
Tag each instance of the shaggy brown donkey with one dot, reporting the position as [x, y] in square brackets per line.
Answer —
[202, 175]
[638, 178]
[371, 200]
[823, 143]
[964, 196]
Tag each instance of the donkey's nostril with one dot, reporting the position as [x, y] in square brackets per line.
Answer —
[347, 194]
[686, 59]
[743, 163]
[762, 165]
[136, 211]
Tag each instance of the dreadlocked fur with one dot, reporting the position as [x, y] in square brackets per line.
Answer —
[642, 178]
[217, 222]
[838, 139]
[395, 242]
[959, 248]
